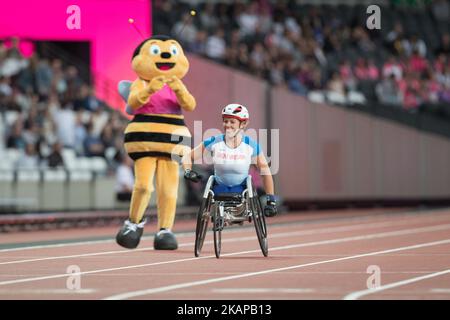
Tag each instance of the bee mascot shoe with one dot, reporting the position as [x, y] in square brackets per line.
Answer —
[156, 138]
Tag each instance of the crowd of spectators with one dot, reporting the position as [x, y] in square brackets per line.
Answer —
[304, 51]
[46, 106]
[316, 50]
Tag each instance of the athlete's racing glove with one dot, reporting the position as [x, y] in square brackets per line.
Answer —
[270, 210]
[192, 175]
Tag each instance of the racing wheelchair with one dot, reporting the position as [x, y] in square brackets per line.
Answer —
[226, 209]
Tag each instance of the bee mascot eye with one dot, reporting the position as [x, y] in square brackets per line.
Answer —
[155, 49]
[173, 50]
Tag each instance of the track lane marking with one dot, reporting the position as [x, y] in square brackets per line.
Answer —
[272, 236]
[145, 292]
[331, 241]
[358, 294]
[437, 213]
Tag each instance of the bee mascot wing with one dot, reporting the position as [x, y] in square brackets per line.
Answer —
[124, 91]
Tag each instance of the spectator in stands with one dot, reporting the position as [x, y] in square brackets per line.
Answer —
[414, 45]
[215, 47]
[277, 73]
[362, 40]
[64, 119]
[43, 77]
[124, 177]
[392, 67]
[55, 159]
[336, 84]
[243, 58]
[444, 94]
[394, 39]
[164, 16]
[185, 31]
[444, 78]
[93, 145]
[5, 86]
[430, 88]
[29, 158]
[80, 134]
[440, 62]
[15, 139]
[248, 19]
[410, 88]
[388, 91]
[417, 63]
[199, 44]
[99, 119]
[12, 63]
[258, 60]
[59, 83]
[107, 136]
[444, 47]
[360, 69]
[441, 11]
[207, 17]
[74, 83]
[26, 80]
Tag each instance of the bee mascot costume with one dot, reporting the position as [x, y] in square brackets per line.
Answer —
[156, 138]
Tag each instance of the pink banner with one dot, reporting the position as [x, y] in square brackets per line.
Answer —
[105, 24]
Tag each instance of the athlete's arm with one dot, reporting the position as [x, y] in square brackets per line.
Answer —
[194, 154]
[265, 173]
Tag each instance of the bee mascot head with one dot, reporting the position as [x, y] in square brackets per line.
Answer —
[159, 56]
[157, 61]
[156, 137]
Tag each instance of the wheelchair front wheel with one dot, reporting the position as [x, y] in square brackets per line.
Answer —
[260, 225]
[202, 224]
[217, 230]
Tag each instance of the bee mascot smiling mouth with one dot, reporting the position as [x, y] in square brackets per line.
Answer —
[156, 137]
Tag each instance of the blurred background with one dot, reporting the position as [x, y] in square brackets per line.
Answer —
[363, 116]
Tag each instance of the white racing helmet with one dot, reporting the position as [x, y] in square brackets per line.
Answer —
[237, 111]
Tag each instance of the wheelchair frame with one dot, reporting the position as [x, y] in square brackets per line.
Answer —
[223, 213]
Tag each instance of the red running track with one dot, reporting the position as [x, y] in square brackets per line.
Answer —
[398, 253]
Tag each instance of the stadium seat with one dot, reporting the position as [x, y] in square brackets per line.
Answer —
[12, 155]
[69, 158]
[54, 190]
[316, 97]
[355, 97]
[28, 188]
[336, 98]
[110, 153]
[105, 194]
[98, 165]
[6, 189]
[80, 190]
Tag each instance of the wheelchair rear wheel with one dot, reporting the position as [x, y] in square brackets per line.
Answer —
[217, 230]
[203, 217]
[260, 224]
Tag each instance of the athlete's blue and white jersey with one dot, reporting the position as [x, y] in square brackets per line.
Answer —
[231, 166]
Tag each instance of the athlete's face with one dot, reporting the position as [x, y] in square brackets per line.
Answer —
[231, 123]
[231, 126]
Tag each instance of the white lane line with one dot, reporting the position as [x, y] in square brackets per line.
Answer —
[272, 236]
[134, 294]
[263, 290]
[47, 291]
[358, 294]
[332, 241]
[440, 290]
[437, 213]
